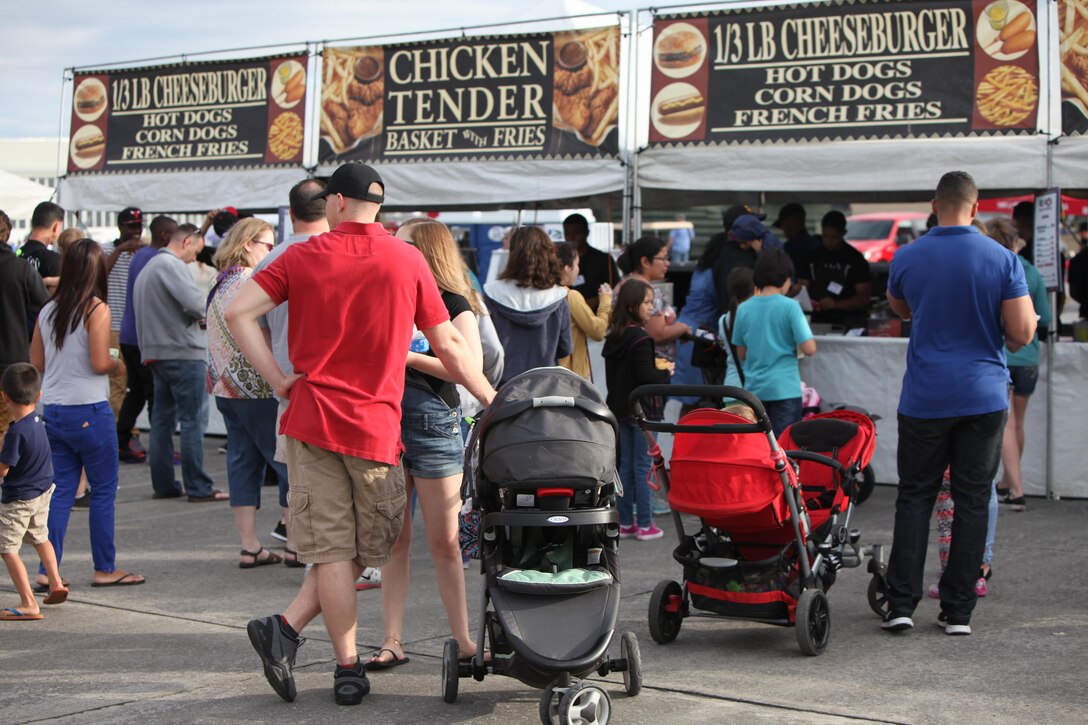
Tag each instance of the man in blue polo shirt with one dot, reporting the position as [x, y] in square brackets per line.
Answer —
[962, 290]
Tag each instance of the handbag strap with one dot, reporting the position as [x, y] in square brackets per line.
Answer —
[727, 335]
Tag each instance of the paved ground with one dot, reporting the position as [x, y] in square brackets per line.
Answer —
[175, 649]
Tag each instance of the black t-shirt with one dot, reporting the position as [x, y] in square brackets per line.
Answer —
[596, 268]
[836, 274]
[22, 294]
[455, 305]
[41, 258]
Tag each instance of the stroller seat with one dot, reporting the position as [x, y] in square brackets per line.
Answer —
[844, 435]
[728, 480]
[571, 581]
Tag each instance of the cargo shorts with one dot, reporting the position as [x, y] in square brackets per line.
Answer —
[343, 508]
[25, 522]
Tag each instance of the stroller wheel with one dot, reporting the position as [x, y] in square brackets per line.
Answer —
[549, 704]
[450, 671]
[813, 622]
[632, 676]
[878, 595]
[865, 485]
[585, 704]
[665, 616]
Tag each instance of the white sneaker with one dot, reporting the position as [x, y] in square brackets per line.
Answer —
[897, 624]
[371, 578]
[953, 629]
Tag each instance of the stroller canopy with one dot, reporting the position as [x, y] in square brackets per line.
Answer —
[545, 425]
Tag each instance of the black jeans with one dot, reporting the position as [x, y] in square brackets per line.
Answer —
[971, 447]
[139, 391]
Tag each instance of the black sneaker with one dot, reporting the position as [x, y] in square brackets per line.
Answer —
[280, 532]
[277, 651]
[897, 623]
[350, 684]
[953, 629]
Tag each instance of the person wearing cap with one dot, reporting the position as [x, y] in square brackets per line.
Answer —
[744, 240]
[837, 277]
[356, 292]
[799, 243]
[130, 224]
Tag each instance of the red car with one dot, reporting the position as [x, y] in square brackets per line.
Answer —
[878, 234]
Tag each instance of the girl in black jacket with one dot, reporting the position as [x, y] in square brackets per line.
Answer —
[629, 362]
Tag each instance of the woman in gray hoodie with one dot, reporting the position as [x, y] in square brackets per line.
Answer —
[529, 306]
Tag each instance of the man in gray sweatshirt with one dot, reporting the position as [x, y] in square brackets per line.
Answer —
[170, 311]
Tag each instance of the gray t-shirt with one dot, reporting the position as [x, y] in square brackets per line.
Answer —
[276, 320]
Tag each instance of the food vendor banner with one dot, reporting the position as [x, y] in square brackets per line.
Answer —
[540, 95]
[867, 69]
[193, 115]
[1073, 52]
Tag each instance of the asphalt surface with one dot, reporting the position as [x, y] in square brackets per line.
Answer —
[175, 649]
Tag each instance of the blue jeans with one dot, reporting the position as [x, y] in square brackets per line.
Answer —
[83, 438]
[971, 447]
[634, 467]
[179, 396]
[783, 413]
[251, 445]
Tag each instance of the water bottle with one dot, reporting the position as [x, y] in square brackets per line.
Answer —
[420, 343]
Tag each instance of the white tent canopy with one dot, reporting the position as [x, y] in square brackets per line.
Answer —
[19, 196]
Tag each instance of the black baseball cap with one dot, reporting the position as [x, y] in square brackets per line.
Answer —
[353, 180]
[130, 215]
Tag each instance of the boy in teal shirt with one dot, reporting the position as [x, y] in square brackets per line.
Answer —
[768, 330]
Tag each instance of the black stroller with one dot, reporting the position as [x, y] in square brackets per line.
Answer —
[540, 467]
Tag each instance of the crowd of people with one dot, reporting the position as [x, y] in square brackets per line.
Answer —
[359, 418]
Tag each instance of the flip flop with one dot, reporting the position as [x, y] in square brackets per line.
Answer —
[125, 580]
[43, 588]
[272, 558]
[57, 596]
[14, 615]
[373, 665]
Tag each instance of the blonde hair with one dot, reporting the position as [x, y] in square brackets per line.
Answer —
[742, 410]
[434, 241]
[67, 238]
[232, 251]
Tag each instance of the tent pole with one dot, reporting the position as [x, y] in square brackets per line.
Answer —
[1052, 333]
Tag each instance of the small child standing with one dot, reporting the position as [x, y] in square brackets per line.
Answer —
[767, 331]
[630, 361]
[27, 472]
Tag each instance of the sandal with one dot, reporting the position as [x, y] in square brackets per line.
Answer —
[375, 663]
[291, 559]
[272, 558]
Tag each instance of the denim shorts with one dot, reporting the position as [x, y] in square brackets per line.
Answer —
[1023, 379]
[431, 432]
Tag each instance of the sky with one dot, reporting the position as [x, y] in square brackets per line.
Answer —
[41, 39]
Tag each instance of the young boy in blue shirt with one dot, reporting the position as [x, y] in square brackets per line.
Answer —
[766, 334]
[27, 472]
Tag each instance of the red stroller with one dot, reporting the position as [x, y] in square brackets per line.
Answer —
[775, 515]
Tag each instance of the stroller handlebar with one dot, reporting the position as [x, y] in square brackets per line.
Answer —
[700, 391]
[819, 458]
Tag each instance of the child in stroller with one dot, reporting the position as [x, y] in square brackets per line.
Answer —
[775, 523]
[540, 468]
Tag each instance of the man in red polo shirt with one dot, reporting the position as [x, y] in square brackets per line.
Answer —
[355, 293]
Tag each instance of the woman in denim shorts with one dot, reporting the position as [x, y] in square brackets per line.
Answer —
[434, 452]
[1023, 374]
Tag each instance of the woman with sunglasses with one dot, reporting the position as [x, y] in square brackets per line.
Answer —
[245, 400]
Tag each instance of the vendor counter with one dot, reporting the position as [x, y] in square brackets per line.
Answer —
[868, 372]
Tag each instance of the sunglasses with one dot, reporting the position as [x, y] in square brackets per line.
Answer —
[270, 245]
